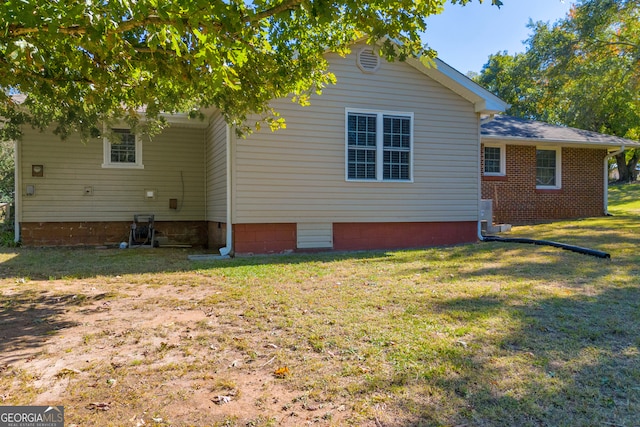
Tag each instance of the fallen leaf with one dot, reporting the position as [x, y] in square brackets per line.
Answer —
[281, 372]
[99, 406]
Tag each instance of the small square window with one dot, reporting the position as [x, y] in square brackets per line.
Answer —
[494, 160]
[125, 151]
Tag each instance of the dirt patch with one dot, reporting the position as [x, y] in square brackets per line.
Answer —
[130, 354]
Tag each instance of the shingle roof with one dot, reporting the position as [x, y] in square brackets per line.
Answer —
[515, 129]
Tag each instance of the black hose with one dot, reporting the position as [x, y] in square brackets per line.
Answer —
[572, 248]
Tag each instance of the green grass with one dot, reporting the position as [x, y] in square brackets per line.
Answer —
[484, 334]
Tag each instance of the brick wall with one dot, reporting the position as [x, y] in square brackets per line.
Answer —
[278, 238]
[217, 234]
[264, 238]
[517, 201]
[400, 235]
[107, 233]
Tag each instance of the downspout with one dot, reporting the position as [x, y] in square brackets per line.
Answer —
[17, 195]
[606, 178]
[229, 244]
[205, 141]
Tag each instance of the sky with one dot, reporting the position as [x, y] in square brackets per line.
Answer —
[465, 36]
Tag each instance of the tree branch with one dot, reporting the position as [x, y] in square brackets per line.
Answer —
[284, 6]
[78, 30]
[124, 26]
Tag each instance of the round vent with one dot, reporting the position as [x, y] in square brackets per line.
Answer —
[368, 60]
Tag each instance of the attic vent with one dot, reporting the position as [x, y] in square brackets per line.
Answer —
[368, 61]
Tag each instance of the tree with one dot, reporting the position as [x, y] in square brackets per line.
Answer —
[82, 61]
[583, 71]
[6, 171]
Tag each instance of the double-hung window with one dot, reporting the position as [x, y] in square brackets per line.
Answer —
[124, 151]
[379, 146]
[494, 160]
[548, 168]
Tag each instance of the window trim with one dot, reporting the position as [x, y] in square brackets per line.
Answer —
[503, 156]
[108, 164]
[379, 143]
[558, 184]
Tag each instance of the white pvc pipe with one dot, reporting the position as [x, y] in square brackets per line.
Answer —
[17, 199]
[229, 244]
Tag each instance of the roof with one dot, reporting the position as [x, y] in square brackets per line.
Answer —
[513, 129]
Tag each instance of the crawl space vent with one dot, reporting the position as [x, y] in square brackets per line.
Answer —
[368, 61]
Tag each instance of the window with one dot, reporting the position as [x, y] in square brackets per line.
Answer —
[125, 152]
[494, 162]
[379, 146]
[548, 168]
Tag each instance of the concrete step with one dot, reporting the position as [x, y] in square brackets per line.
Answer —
[488, 228]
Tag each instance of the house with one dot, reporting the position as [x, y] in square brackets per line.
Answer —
[387, 158]
[534, 171]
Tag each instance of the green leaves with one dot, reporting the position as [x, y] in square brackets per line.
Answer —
[84, 61]
[583, 71]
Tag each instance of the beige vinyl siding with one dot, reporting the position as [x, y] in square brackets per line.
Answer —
[173, 168]
[217, 169]
[298, 174]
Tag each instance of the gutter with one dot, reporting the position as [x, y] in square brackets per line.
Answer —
[229, 231]
[17, 195]
[606, 177]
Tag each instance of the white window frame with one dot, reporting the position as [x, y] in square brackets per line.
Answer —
[107, 163]
[502, 160]
[558, 185]
[379, 143]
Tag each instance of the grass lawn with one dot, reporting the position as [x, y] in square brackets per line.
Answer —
[487, 334]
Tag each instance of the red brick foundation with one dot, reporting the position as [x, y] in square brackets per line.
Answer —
[108, 233]
[401, 235]
[253, 238]
[517, 201]
[278, 238]
[264, 238]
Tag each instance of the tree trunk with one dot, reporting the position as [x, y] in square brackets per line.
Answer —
[627, 168]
